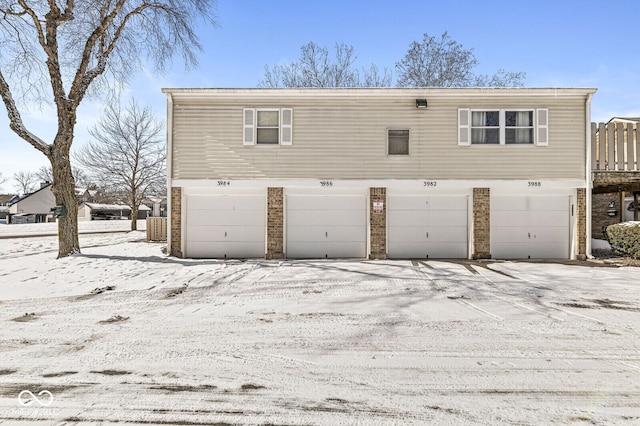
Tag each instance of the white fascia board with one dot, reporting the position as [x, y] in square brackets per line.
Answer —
[393, 92]
[533, 186]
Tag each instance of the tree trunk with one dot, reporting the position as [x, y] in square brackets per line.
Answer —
[134, 218]
[64, 184]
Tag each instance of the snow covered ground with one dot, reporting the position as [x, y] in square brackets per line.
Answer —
[123, 334]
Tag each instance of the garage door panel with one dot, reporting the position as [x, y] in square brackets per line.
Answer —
[319, 226]
[550, 218]
[326, 217]
[407, 203]
[219, 226]
[222, 250]
[223, 217]
[429, 235]
[550, 234]
[510, 235]
[447, 203]
[344, 249]
[541, 230]
[548, 251]
[227, 233]
[509, 219]
[404, 217]
[330, 202]
[550, 203]
[515, 250]
[445, 217]
[427, 226]
[224, 202]
[509, 204]
[324, 233]
[425, 218]
[452, 234]
[410, 250]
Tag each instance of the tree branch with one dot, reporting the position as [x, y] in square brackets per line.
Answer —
[15, 119]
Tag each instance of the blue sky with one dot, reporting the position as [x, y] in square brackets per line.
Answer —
[570, 43]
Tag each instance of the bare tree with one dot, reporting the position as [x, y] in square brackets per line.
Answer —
[3, 180]
[316, 68]
[26, 182]
[128, 152]
[45, 174]
[444, 62]
[57, 50]
[373, 77]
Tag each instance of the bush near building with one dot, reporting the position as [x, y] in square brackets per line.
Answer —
[625, 238]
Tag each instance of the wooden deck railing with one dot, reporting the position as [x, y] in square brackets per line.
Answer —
[615, 147]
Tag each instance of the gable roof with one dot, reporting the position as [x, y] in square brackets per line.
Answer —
[6, 198]
[47, 186]
[113, 207]
[624, 120]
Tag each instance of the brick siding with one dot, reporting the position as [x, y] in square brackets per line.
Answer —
[275, 223]
[378, 224]
[176, 222]
[481, 223]
[582, 224]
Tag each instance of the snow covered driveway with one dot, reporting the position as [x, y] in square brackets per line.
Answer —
[122, 334]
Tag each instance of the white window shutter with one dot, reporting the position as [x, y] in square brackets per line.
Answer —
[542, 127]
[464, 127]
[249, 117]
[286, 126]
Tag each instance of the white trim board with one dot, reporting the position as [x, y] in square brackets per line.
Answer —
[426, 185]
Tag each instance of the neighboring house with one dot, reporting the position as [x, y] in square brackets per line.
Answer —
[616, 172]
[95, 211]
[158, 206]
[34, 207]
[398, 173]
[5, 201]
[86, 195]
[627, 120]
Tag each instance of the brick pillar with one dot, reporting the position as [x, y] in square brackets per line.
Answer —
[378, 223]
[481, 223]
[582, 223]
[275, 224]
[176, 223]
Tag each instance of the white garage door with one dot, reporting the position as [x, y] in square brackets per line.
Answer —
[326, 226]
[427, 227]
[225, 226]
[534, 227]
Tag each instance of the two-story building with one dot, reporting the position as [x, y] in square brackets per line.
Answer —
[379, 173]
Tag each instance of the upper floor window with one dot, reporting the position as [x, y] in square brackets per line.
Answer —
[485, 127]
[503, 127]
[268, 126]
[518, 127]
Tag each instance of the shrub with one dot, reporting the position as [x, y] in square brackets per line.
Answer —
[625, 238]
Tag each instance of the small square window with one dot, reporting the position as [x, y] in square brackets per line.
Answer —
[398, 142]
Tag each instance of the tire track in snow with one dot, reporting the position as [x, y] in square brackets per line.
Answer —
[496, 288]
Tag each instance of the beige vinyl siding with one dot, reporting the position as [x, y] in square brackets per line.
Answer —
[40, 202]
[344, 137]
